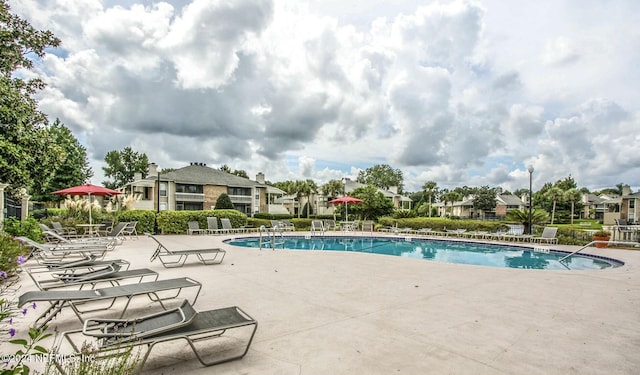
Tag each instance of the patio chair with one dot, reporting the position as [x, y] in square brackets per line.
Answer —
[130, 230]
[63, 231]
[72, 298]
[368, 226]
[317, 227]
[212, 225]
[194, 227]
[351, 226]
[168, 256]
[548, 236]
[287, 226]
[330, 225]
[182, 323]
[227, 227]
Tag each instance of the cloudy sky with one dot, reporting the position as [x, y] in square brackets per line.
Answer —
[458, 92]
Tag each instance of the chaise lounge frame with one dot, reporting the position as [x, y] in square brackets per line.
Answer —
[72, 298]
[182, 323]
[168, 257]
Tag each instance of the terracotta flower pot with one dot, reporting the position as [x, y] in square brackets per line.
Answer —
[600, 244]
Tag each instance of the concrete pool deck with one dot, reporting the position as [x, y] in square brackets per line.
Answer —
[322, 312]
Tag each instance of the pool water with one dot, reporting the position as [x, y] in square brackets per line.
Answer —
[495, 255]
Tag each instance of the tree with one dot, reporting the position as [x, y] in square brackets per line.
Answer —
[374, 204]
[73, 170]
[451, 197]
[224, 202]
[237, 172]
[333, 189]
[382, 176]
[572, 195]
[430, 189]
[522, 216]
[26, 149]
[485, 199]
[123, 165]
[555, 194]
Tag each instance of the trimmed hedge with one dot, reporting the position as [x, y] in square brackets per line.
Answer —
[146, 219]
[175, 222]
[437, 223]
[266, 216]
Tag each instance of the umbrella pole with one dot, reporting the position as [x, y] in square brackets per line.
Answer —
[90, 211]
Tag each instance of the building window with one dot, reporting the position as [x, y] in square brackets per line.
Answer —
[238, 191]
[163, 189]
[189, 206]
[192, 189]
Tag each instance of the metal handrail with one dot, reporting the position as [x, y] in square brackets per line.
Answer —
[634, 244]
[270, 233]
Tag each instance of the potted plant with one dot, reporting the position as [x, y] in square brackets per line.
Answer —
[601, 235]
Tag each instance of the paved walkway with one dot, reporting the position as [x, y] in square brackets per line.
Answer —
[323, 312]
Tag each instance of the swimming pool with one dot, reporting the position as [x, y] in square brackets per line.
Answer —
[485, 254]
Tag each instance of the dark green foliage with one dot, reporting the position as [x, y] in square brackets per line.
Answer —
[175, 222]
[264, 215]
[145, 218]
[71, 171]
[26, 148]
[485, 199]
[382, 176]
[403, 214]
[224, 202]
[122, 166]
[27, 228]
[374, 203]
[10, 252]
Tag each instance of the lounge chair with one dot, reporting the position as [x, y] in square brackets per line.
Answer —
[54, 238]
[548, 236]
[168, 257]
[317, 227]
[351, 226]
[63, 231]
[61, 298]
[60, 251]
[182, 323]
[111, 274]
[194, 228]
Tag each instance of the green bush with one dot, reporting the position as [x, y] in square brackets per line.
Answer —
[438, 223]
[12, 254]
[263, 215]
[146, 219]
[27, 228]
[175, 222]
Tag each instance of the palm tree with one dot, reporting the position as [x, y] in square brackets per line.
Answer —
[451, 196]
[522, 216]
[572, 195]
[430, 188]
[555, 194]
[333, 189]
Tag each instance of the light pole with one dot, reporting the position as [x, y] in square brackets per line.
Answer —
[530, 169]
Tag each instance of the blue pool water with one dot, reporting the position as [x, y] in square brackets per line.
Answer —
[495, 255]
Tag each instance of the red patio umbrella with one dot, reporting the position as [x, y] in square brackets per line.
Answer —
[346, 200]
[87, 189]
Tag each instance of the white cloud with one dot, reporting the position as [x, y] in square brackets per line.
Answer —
[460, 92]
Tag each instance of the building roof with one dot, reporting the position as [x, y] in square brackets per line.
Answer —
[203, 175]
[511, 200]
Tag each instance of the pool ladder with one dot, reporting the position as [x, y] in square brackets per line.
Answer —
[634, 244]
[271, 237]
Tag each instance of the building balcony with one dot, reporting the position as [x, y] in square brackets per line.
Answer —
[245, 199]
[189, 197]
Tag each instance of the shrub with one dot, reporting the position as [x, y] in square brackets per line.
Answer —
[224, 202]
[264, 215]
[12, 254]
[146, 219]
[175, 222]
[26, 228]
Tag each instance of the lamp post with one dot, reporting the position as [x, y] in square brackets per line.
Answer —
[530, 169]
